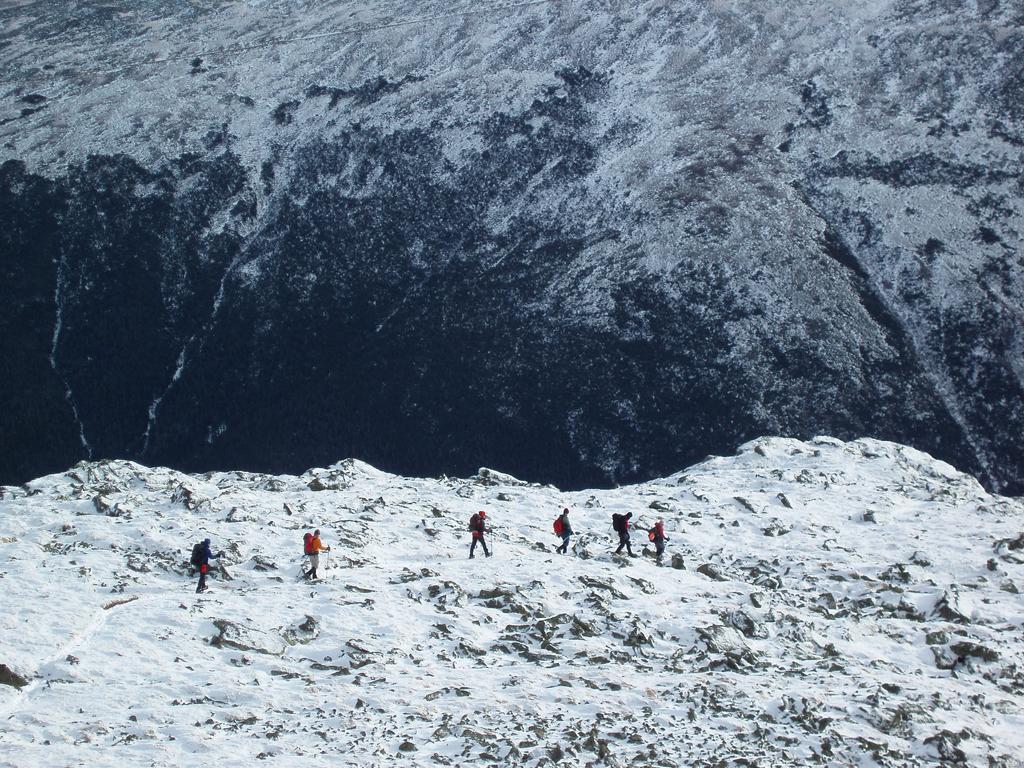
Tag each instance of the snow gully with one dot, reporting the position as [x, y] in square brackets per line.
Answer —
[69, 395]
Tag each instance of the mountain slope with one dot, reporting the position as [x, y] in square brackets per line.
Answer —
[587, 242]
[841, 603]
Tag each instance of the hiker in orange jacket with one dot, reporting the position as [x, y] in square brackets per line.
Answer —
[315, 548]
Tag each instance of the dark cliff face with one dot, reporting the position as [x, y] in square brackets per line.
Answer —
[544, 283]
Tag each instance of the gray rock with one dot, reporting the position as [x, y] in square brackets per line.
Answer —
[896, 574]
[637, 637]
[9, 677]
[489, 477]
[919, 559]
[728, 643]
[712, 571]
[944, 657]
[1009, 545]
[592, 583]
[305, 632]
[967, 649]
[948, 608]
[747, 505]
[232, 635]
[750, 628]
[261, 563]
[776, 528]
[947, 745]
[237, 515]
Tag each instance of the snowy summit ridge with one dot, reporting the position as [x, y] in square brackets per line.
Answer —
[822, 602]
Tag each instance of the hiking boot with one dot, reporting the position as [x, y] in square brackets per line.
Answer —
[472, 556]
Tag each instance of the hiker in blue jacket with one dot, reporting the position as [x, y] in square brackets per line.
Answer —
[201, 556]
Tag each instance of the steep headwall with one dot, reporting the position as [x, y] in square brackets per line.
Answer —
[582, 242]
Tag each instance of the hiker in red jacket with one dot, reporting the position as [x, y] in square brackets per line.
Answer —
[477, 526]
[657, 535]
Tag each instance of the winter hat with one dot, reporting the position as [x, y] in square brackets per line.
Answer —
[482, 513]
[565, 511]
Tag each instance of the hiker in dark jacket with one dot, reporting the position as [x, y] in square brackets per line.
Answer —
[657, 535]
[477, 526]
[201, 560]
[621, 524]
[564, 530]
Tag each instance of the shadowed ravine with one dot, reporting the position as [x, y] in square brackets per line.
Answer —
[587, 245]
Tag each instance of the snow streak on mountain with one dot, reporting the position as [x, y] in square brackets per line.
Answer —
[821, 603]
[584, 241]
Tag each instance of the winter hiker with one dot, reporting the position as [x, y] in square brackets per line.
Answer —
[621, 525]
[477, 526]
[201, 556]
[315, 548]
[563, 529]
[657, 535]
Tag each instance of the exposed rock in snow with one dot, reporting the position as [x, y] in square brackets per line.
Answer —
[836, 643]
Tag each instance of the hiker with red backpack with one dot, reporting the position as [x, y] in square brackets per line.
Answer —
[620, 523]
[311, 548]
[657, 535]
[563, 529]
[477, 526]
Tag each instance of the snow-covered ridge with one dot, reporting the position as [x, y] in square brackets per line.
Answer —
[830, 602]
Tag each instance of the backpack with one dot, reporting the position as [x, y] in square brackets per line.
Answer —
[307, 544]
[474, 522]
[651, 535]
[558, 526]
[619, 522]
[197, 554]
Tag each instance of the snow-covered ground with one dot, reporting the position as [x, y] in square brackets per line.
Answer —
[825, 602]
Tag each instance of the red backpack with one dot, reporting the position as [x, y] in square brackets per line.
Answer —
[558, 526]
[307, 543]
